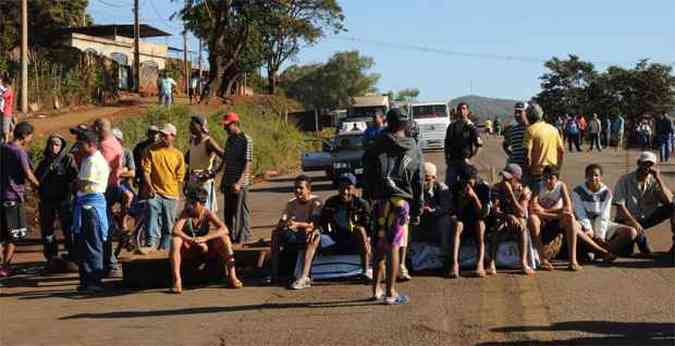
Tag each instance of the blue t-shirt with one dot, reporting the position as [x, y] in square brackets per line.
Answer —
[13, 164]
[166, 86]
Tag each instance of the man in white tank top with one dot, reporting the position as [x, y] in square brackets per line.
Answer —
[201, 157]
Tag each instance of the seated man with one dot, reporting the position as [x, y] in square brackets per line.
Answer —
[192, 236]
[511, 199]
[643, 200]
[297, 226]
[345, 218]
[592, 206]
[435, 219]
[470, 206]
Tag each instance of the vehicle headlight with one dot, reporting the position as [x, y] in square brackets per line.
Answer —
[339, 165]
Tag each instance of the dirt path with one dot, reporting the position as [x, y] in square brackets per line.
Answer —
[629, 303]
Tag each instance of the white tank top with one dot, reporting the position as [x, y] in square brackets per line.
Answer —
[550, 199]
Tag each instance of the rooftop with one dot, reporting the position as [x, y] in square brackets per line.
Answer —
[126, 30]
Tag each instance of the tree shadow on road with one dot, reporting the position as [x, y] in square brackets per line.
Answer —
[222, 309]
[610, 333]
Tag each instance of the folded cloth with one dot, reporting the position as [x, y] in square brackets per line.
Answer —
[96, 201]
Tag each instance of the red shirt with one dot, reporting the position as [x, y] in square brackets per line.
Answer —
[8, 97]
[112, 151]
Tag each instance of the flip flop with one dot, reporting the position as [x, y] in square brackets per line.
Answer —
[400, 299]
[575, 267]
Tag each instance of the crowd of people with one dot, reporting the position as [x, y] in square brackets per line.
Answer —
[94, 188]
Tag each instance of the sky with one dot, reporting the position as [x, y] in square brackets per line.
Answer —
[448, 49]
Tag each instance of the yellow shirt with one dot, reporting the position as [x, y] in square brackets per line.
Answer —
[166, 167]
[542, 141]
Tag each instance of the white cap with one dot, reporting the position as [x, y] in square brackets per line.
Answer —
[430, 169]
[168, 129]
[117, 133]
[647, 156]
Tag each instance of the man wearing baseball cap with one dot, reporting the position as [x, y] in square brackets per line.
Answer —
[514, 135]
[164, 171]
[237, 158]
[511, 200]
[643, 200]
[345, 218]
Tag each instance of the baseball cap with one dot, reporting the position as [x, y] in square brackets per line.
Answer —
[201, 121]
[78, 129]
[153, 128]
[520, 106]
[347, 178]
[512, 170]
[230, 118]
[430, 169]
[168, 129]
[117, 133]
[647, 156]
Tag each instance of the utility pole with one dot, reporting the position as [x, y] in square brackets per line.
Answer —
[137, 49]
[199, 67]
[185, 65]
[24, 56]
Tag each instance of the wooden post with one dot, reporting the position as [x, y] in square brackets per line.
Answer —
[316, 120]
[24, 57]
[137, 49]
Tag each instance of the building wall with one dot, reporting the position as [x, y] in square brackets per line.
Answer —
[106, 46]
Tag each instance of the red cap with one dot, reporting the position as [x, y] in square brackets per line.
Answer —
[230, 118]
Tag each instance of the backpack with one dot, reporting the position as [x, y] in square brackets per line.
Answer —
[572, 127]
[459, 141]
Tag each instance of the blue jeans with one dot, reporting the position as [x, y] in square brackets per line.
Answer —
[90, 250]
[161, 215]
[664, 148]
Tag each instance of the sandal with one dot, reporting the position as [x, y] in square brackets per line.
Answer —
[400, 299]
[235, 284]
[609, 257]
[527, 271]
[176, 289]
[378, 296]
[575, 267]
[403, 274]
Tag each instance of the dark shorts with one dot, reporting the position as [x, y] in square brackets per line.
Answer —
[115, 194]
[550, 230]
[345, 242]
[12, 221]
[291, 237]
[189, 250]
[662, 213]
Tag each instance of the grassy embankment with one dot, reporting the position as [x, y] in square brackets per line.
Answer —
[277, 145]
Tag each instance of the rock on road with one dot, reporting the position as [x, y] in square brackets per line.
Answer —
[629, 303]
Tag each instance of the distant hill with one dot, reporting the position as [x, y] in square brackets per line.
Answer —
[486, 107]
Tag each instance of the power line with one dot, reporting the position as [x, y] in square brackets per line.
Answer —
[113, 5]
[447, 52]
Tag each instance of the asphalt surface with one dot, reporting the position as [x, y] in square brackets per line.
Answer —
[629, 303]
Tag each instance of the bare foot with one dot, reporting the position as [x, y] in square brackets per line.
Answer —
[547, 266]
[177, 287]
[480, 273]
[527, 270]
[235, 283]
[575, 267]
[492, 270]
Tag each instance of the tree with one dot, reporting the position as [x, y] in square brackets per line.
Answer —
[564, 87]
[230, 30]
[407, 94]
[290, 23]
[45, 17]
[333, 84]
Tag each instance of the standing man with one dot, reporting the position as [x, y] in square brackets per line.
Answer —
[462, 142]
[393, 172]
[237, 160]
[139, 153]
[643, 200]
[543, 145]
[90, 220]
[164, 170]
[200, 158]
[594, 131]
[663, 130]
[606, 131]
[166, 87]
[15, 170]
[618, 128]
[113, 153]
[56, 172]
[513, 143]
[7, 108]
[375, 129]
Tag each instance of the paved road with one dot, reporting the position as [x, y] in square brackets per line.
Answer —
[631, 303]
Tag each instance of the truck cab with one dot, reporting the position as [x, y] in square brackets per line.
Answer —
[363, 109]
[432, 120]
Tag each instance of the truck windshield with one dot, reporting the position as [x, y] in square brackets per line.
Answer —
[365, 112]
[349, 142]
[430, 111]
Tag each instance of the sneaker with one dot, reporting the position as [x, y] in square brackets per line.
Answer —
[400, 299]
[368, 274]
[301, 284]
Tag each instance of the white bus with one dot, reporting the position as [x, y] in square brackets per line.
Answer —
[432, 120]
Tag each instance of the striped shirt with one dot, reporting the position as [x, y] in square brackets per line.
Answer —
[238, 151]
[590, 205]
[515, 140]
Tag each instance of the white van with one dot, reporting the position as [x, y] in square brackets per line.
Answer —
[432, 120]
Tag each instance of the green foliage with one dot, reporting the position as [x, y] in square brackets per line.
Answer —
[333, 84]
[288, 24]
[44, 18]
[277, 145]
[404, 95]
[574, 87]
